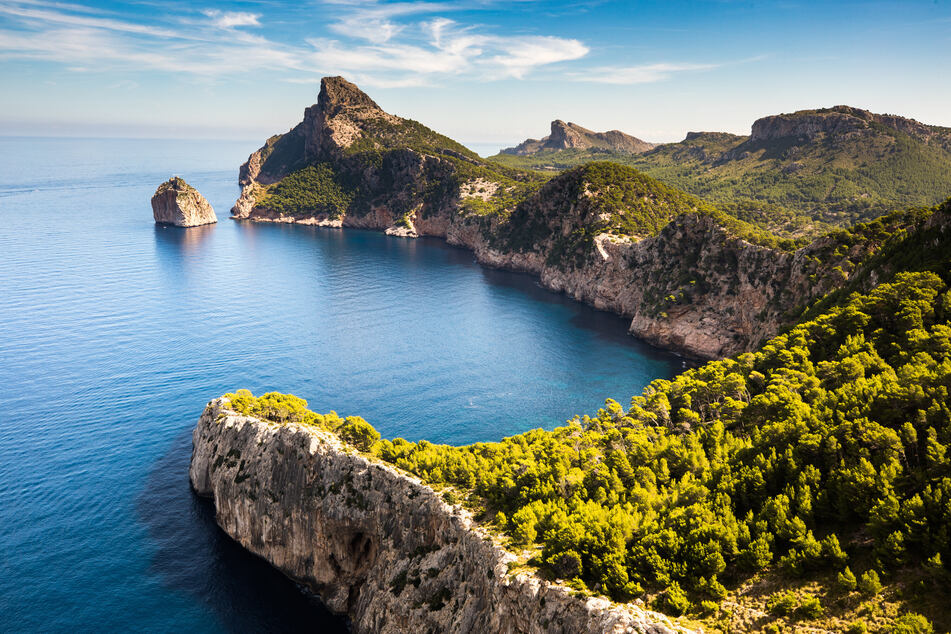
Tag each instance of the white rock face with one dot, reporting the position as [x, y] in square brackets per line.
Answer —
[177, 203]
[376, 543]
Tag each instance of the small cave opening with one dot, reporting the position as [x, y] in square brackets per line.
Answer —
[361, 549]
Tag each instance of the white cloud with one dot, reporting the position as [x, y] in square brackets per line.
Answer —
[232, 19]
[45, 16]
[644, 74]
[520, 55]
[377, 44]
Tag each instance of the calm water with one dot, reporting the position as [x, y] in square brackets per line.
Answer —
[114, 333]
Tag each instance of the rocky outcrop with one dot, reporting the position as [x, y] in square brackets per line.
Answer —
[177, 203]
[375, 543]
[694, 287]
[566, 136]
[838, 121]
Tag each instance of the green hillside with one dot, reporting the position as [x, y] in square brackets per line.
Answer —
[837, 166]
[807, 482]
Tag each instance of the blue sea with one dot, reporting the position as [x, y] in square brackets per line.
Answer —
[114, 333]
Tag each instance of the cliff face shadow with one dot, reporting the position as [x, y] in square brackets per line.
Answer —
[198, 559]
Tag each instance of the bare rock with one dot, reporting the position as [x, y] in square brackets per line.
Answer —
[177, 203]
[376, 543]
[566, 136]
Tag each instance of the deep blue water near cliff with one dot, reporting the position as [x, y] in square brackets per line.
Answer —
[114, 333]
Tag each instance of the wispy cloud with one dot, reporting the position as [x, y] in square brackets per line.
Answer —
[375, 43]
[232, 19]
[376, 22]
[643, 74]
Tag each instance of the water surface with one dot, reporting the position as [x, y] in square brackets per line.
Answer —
[114, 333]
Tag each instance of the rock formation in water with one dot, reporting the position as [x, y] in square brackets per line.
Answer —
[571, 136]
[175, 202]
[375, 543]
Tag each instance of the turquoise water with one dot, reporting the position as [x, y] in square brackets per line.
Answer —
[114, 333]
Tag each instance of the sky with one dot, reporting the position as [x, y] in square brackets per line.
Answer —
[485, 72]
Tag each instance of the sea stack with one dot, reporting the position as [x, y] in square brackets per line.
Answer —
[177, 203]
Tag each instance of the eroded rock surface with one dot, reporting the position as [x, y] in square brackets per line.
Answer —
[375, 543]
[175, 202]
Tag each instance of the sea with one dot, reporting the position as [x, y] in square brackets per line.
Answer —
[115, 333]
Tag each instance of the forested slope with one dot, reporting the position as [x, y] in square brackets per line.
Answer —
[806, 484]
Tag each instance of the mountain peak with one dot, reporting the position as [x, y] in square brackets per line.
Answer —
[337, 93]
[567, 135]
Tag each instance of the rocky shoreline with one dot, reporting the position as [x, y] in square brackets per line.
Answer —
[377, 544]
[616, 276]
[694, 287]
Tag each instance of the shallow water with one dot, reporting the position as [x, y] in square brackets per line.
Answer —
[114, 333]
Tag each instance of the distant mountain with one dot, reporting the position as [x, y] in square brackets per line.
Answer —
[838, 165]
[571, 136]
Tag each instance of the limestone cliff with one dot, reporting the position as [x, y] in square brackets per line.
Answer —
[175, 202]
[690, 278]
[375, 543]
[568, 136]
[839, 121]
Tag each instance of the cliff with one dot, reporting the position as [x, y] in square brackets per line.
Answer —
[839, 121]
[571, 136]
[375, 543]
[689, 277]
[175, 202]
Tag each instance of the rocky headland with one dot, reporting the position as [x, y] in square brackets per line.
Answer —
[375, 543]
[175, 202]
[690, 278]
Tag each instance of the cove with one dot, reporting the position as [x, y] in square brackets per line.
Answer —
[115, 333]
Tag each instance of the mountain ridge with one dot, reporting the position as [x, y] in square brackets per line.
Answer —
[565, 136]
[835, 165]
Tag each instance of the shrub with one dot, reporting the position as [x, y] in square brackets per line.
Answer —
[810, 608]
[782, 604]
[358, 433]
[709, 608]
[912, 624]
[869, 583]
[673, 600]
[846, 580]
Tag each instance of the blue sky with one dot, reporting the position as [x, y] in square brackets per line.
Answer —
[483, 71]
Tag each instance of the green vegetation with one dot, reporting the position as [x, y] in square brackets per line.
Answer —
[564, 216]
[389, 133]
[313, 190]
[175, 182]
[840, 181]
[816, 467]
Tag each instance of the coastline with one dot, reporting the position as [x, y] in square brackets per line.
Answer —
[376, 543]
